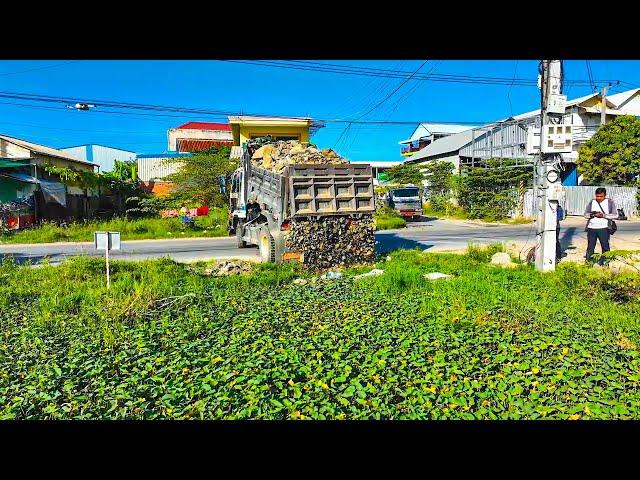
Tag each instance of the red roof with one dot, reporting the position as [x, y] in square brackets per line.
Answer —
[197, 145]
[206, 126]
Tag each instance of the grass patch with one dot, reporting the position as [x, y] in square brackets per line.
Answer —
[387, 218]
[213, 225]
[166, 342]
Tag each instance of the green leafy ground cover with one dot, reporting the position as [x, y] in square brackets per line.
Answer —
[166, 342]
[213, 225]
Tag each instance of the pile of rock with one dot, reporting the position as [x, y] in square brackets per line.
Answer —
[227, 267]
[277, 156]
[333, 241]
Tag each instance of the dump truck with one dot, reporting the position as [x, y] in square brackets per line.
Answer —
[265, 202]
[406, 201]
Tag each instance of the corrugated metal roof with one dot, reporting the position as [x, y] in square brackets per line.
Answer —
[163, 155]
[452, 143]
[570, 103]
[428, 129]
[205, 126]
[622, 97]
[97, 145]
[34, 147]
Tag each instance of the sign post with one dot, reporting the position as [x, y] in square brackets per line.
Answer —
[107, 241]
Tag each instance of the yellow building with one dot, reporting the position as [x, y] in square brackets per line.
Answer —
[245, 128]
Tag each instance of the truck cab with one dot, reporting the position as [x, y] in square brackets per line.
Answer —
[406, 201]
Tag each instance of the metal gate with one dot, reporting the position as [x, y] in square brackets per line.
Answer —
[576, 198]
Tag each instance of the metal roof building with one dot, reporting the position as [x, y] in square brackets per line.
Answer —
[101, 155]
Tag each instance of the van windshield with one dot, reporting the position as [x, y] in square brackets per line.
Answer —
[406, 192]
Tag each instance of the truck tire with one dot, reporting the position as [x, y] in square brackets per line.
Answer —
[239, 232]
[267, 246]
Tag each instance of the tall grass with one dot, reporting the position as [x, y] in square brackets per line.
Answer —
[387, 218]
[213, 225]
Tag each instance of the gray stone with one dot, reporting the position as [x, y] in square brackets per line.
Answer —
[373, 273]
[503, 259]
[436, 276]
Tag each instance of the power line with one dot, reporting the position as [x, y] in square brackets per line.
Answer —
[589, 72]
[37, 68]
[366, 71]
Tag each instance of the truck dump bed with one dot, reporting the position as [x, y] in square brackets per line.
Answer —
[314, 190]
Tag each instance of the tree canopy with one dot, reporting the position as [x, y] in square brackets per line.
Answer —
[612, 155]
[406, 173]
[196, 181]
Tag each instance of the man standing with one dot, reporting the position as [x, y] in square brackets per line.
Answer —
[559, 217]
[598, 213]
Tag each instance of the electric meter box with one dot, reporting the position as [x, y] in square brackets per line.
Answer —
[557, 138]
[533, 140]
[557, 104]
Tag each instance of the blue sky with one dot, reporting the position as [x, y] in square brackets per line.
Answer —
[238, 87]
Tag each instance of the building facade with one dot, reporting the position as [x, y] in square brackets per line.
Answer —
[245, 128]
[199, 136]
[510, 137]
[34, 194]
[101, 155]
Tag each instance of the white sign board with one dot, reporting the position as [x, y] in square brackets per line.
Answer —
[106, 240]
[555, 192]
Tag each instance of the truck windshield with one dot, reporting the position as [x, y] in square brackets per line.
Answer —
[406, 192]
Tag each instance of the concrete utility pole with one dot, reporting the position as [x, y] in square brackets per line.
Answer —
[603, 110]
[551, 89]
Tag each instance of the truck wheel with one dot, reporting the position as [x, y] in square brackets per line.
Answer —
[267, 245]
[239, 232]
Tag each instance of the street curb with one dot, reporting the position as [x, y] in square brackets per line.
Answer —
[123, 241]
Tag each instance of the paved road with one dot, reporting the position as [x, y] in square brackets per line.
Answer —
[433, 235]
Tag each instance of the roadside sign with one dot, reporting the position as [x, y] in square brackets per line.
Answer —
[107, 241]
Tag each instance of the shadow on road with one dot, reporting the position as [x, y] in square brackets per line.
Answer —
[567, 238]
[23, 258]
[392, 241]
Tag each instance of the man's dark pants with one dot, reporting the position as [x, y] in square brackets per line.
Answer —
[558, 246]
[593, 235]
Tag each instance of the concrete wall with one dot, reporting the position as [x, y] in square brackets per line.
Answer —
[10, 150]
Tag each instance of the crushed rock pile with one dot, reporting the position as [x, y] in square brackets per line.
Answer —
[277, 156]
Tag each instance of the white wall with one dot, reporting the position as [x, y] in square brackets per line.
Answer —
[10, 150]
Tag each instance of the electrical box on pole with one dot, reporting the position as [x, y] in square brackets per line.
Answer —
[557, 139]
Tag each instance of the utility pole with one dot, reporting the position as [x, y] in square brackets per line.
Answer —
[546, 176]
[603, 110]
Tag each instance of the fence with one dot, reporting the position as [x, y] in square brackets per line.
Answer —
[576, 198]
